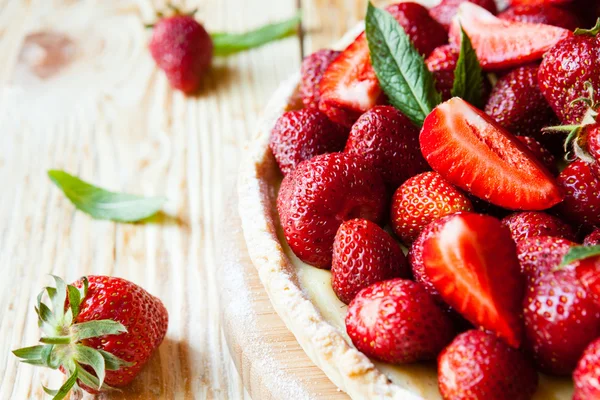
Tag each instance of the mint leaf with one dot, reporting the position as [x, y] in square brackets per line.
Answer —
[577, 253]
[102, 204]
[468, 81]
[230, 43]
[399, 67]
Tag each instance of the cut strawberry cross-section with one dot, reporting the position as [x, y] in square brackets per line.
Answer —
[502, 44]
[473, 152]
[472, 262]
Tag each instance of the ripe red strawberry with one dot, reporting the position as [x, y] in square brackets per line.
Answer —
[446, 10]
[387, 139]
[541, 153]
[565, 70]
[364, 254]
[473, 152]
[182, 48]
[593, 142]
[592, 239]
[502, 44]
[527, 224]
[542, 14]
[442, 63]
[422, 199]
[393, 321]
[103, 337]
[313, 68]
[517, 104]
[539, 255]
[471, 260]
[477, 365]
[588, 273]
[582, 194]
[586, 375]
[349, 86]
[561, 319]
[300, 135]
[319, 195]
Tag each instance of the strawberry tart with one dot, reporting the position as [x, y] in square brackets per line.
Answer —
[422, 203]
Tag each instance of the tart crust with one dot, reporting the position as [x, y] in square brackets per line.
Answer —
[349, 369]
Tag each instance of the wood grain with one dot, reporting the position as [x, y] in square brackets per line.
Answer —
[78, 91]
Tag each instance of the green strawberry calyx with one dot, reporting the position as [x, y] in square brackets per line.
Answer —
[589, 32]
[63, 343]
[578, 253]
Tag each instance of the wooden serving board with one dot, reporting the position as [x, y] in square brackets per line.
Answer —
[270, 361]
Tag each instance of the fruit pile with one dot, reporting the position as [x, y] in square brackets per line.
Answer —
[440, 130]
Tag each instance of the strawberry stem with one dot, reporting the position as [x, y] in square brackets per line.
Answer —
[590, 32]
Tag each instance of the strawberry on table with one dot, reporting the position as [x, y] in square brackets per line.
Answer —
[542, 14]
[393, 321]
[565, 70]
[539, 255]
[477, 365]
[527, 224]
[561, 319]
[517, 104]
[300, 135]
[422, 199]
[319, 195]
[446, 10]
[364, 254]
[471, 261]
[387, 140]
[313, 68]
[581, 187]
[503, 44]
[586, 375]
[473, 152]
[102, 338]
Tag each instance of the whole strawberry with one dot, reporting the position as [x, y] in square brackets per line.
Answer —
[536, 223]
[561, 319]
[300, 135]
[183, 49]
[593, 142]
[517, 104]
[542, 14]
[442, 63]
[397, 321]
[364, 254]
[387, 139]
[565, 70]
[477, 365]
[581, 187]
[592, 239]
[586, 376]
[542, 153]
[446, 10]
[421, 200]
[319, 195]
[540, 255]
[313, 68]
[103, 337]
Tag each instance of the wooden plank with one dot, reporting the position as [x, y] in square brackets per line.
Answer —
[78, 91]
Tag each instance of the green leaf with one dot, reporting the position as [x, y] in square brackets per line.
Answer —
[66, 387]
[58, 297]
[51, 392]
[468, 79]
[74, 300]
[97, 328]
[37, 363]
[47, 356]
[102, 204]
[113, 362]
[577, 253]
[231, 43]
[89, 379]
[29, 353]
[56, 340]
[93, 358]
[399, 67]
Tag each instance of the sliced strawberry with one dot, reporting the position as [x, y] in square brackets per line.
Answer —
[501, 44]
[473, 152]
[472, 262]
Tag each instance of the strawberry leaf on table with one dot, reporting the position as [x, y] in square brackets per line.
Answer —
[103, 204]
[231, 43]
[399, 67]
[577, 253]
[468, 80]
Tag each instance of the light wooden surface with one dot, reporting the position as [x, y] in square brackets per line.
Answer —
[79, 91]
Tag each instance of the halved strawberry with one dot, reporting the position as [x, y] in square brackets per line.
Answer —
[501, 44]
[349, 86]
[473, 152]
[472, 263]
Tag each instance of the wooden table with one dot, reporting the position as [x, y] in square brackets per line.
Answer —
[79, 92]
